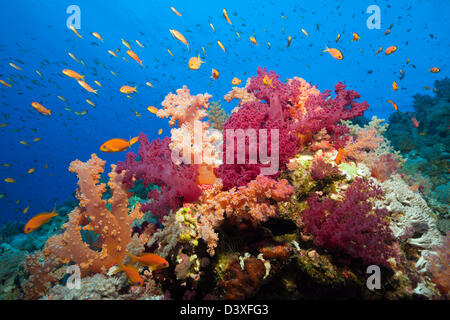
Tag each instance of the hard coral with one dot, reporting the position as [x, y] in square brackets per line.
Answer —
[351, 226]
[177, 183]
[113, 227]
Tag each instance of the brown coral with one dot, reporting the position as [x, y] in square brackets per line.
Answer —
[113, 227]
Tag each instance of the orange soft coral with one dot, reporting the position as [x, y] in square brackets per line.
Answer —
[305, 90]
[183, 107]
[241, 94]
[113, 227]
[359, 149]
[251, 202]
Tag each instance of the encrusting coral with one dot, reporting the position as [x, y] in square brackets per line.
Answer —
[113, 227]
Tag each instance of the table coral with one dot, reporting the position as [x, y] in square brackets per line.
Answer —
[113, 227]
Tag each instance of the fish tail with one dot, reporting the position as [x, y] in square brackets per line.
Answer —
[95, 91]
[82, 77]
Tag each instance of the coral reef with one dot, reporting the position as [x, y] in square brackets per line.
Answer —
[113, 227]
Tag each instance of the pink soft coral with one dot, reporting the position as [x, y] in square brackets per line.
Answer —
[177, 183]
[351, 226]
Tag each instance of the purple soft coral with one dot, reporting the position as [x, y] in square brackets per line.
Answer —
[176, 183]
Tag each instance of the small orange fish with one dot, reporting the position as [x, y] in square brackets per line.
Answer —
[236, 81]
[177, 35]
[15, 66]
[86, 86]
[225, 15]
[253, 40]
[3, 82]
[267, 81]
[393, 104]
[305, 33]
[195, 63]
[153, 261]
[221, 45]
[128, 89]
[117, 145]
[414, 187]
[379, 50]
[37, 221]
[132, 274]
[212, 27]
[112, 53]
[340, 156]
[435, 70]
[152, 109]
[10, 180]
[39, 107]
[338, 37]
[30, 171]
[289, 42]
[134, 56]
[415, 122]
[395, 86]
[160, 131]
[99, 37]
[390, 50]
[72, 74]
[175, 11]
[215, 74]
[335, 53]
[356, 36]
[75, 31]
[388, 31]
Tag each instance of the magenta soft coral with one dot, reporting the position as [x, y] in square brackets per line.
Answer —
[351, 226]
[277, 110]
[177, 183]
[325, 112]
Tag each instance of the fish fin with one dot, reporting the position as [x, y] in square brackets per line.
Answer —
[82, 77]
[135, 88]
[132, 257]
[95, 91]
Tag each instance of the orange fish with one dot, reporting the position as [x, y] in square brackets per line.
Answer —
[195, 63]
[151, 260]
[236, 81]
[388, 31]
[395, 86]
[112, 53]
[177, 35]
[132, 274]
[152, 109]
[117, 145]
[356, 37]
[39, 107]
[253, 40]
[340, 156]
[75, 31]
[390, 50]
[379, 50]
[72, 74]
[435, 70]
[86, 86]
[267, 81]
[134, 56]
[175, 11]
[393, 104]
[415, 122]
[215, 74]
[160, 131]
[221, 45]
[225, 15]
[3, 82]
[335, 53]
[99, 37]
[414, 187]
[128, 89]
[37, 221]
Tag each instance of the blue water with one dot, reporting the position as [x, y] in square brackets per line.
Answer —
[32, 31]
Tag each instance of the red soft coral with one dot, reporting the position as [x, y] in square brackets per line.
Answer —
[351, 226]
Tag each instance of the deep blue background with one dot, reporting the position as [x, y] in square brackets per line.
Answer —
[32, 31]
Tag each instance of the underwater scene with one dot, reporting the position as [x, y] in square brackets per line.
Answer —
[224, 150]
